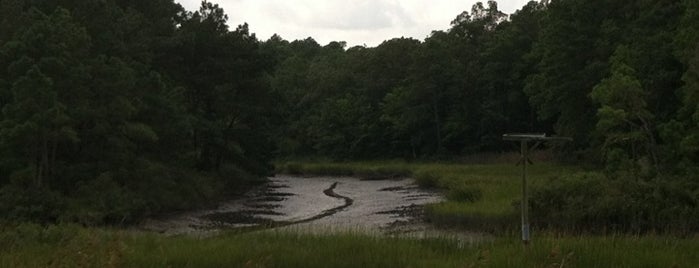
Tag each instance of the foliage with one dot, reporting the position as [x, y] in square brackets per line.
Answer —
[406, 98]
[625, 124]
[620, 77]
[459, 90]
[113, 110]
[487, 197]
[478, 197]
[118, 110]
[592, 202]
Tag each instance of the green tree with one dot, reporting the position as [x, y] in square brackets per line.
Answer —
[100, 101]
[224, 90]
[497, 72]
[35, 123]
[689, 115]
[418, 108]
[625, 125]
[682, 133]
[11, 12]
[35, 120]
[570, 64]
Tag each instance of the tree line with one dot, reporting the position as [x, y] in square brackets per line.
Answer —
[617, 76]
[114, 110]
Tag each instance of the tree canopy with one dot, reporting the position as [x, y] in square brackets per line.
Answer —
[114, 110]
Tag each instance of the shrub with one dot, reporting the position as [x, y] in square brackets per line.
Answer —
[426, 179]
[292, 168]
[386, 172]
[38, 204]
[102, 200]
[592, 202]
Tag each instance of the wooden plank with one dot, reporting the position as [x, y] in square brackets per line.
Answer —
[532, 137]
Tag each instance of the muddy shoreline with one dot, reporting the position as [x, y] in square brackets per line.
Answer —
[286, 201]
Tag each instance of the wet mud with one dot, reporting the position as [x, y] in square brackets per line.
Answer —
[320, 203]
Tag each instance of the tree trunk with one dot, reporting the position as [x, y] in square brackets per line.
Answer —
[42, 162]
[438, 131]
[651, 141]
[52, 164]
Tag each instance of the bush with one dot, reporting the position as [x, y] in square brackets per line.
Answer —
[235, 178]
[102, 200]
[426, 179]
[37, 204]
[592, 202]
[386, 172]
[292, 168]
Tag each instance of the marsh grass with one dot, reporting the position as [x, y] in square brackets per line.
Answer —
[286, 249]
[366, 170]
[481, 196]
[70, 246]
[594, 251]
[498, 186]
[31, 245]
[280, 249]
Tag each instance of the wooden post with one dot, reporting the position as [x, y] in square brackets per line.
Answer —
[525, 195]
[524, 139]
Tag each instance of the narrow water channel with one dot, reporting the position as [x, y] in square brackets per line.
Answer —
[328, 203]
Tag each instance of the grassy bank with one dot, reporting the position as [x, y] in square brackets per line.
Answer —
[354, 250]
[69, 246]
[479, 196]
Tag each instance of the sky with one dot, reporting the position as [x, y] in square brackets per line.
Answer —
[358, 22]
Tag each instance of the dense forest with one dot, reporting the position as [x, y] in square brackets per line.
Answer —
[118, 109]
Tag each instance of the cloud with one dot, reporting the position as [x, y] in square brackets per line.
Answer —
[361, 15]
[358, 22]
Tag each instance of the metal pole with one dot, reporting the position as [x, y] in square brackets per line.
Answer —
[525, 197]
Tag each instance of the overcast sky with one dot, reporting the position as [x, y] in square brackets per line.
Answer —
[358, 22]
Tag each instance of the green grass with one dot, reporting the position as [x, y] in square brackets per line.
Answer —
[30, 245]
[369, 170]
[275, 249]
[497, 187]
[33, 246]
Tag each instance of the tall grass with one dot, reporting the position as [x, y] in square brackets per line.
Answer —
[492, 207]
[30, 245]
[480, 196]
[594, 251]
[366, 170]
[79, 247]
[278, 249]
[500, 193]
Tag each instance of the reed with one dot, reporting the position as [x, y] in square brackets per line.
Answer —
[70, 246]
[478, 195]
